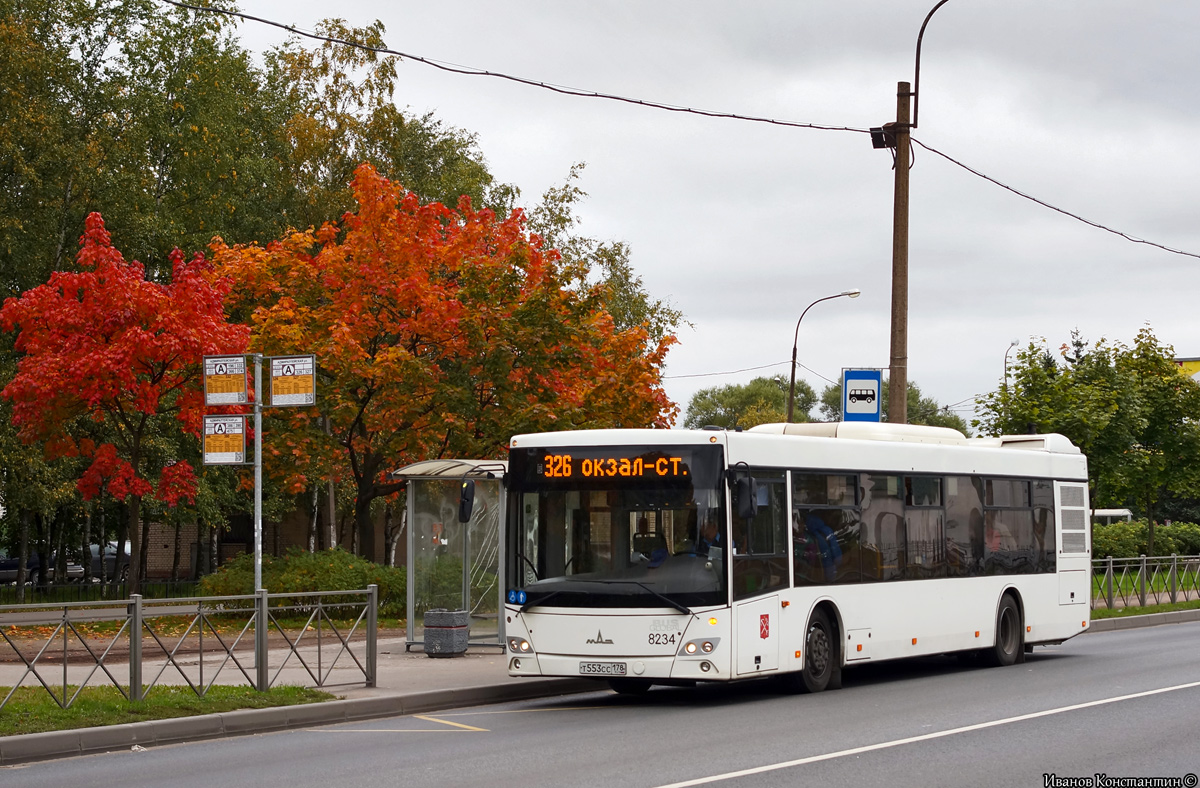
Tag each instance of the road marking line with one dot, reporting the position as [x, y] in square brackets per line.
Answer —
[926, 737]
[461, 728]
[528, 711]
[447, 722]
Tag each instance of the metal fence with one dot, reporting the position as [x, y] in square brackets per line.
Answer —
[265, 634]
[1145, 580]
[110, 592]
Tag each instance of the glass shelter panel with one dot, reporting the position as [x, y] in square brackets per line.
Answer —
[453, 565]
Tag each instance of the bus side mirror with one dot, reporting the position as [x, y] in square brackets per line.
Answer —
[746, 495]
[466, 500]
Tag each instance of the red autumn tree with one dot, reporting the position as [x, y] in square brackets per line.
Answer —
[437, 333]
[105, 343]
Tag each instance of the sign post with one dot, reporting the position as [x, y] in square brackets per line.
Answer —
[293, 383]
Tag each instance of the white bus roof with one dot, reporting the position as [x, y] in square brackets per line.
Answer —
[890, 448]
[918, 433]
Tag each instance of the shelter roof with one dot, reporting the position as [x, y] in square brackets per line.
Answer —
[452, 469]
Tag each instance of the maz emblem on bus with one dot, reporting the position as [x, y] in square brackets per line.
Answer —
[599, 640]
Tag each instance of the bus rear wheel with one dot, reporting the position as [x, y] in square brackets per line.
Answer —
[820, 653]
[629, 686]
[1010, 635]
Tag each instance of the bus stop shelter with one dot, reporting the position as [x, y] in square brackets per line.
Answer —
[454, 565]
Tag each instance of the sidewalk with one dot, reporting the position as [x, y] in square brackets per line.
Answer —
[407, 683]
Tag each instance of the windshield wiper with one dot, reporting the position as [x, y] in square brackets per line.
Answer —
[541, 601]
[670, 602]
[531, 566]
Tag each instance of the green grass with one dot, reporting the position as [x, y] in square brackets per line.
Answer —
[32, 710]
[1137, 610]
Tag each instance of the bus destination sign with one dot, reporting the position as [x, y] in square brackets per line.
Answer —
[653, 465]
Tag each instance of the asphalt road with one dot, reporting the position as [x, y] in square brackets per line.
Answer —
[1124, 704]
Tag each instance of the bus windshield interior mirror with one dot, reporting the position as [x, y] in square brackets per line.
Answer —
[466, 500]
[746, 493]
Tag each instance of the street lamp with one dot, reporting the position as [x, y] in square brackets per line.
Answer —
[855, 293]
[1011, 345]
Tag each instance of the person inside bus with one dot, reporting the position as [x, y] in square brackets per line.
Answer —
[820, 543]
[710, 537]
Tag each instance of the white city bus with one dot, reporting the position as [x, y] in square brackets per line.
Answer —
[673, 557]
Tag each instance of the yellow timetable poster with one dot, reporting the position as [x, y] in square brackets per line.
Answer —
[293, 380]
[225, 380]
[224, 440]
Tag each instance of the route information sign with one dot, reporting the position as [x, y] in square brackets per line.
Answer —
[224, 440]
[225, 380]
[293, 380]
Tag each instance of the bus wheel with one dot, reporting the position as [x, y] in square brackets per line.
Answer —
[819, 653]
[1009, 635]
[629, 686]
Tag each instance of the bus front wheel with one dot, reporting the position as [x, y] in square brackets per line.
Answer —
[1010, 640]
[820, 653]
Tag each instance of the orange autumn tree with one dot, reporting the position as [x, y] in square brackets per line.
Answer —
[437, 333]
[105, 343]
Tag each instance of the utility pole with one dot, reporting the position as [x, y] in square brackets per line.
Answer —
[898, 363]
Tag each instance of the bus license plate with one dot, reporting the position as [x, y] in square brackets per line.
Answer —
[602, 668]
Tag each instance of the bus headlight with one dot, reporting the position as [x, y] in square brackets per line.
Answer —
[519, 646]
[706, 645]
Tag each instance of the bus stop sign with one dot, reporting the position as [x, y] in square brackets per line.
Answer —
[861, 394]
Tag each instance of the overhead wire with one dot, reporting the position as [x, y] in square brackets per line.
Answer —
[1044, 204]
[455, 68]
[579, 92]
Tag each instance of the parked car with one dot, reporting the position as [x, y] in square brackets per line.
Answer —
[110, 562]
[10, 563]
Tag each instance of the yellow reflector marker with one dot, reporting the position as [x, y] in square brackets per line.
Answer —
[1028, 629]
[785, 604]
[914, 641]
[977, 633]
[712, 621]
[860, 646]
[797, 655]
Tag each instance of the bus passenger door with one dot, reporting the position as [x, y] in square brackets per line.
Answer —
[757, 626]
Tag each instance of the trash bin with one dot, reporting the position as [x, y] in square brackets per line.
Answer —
[446, 632]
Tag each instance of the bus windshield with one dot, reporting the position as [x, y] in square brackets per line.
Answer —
[618, 526]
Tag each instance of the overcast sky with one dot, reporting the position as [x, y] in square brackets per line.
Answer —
[1090, 105]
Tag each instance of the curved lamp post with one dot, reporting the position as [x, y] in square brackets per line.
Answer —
[796, 339]
[1011, 345]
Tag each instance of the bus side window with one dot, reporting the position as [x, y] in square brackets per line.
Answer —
[885, 538]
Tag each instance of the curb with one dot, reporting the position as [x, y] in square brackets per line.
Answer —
[1147, 620]
[28, 747]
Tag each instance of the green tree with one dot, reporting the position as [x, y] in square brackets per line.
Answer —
[921, 409]
[1127, 408]
[761, 401]
[339, 112]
